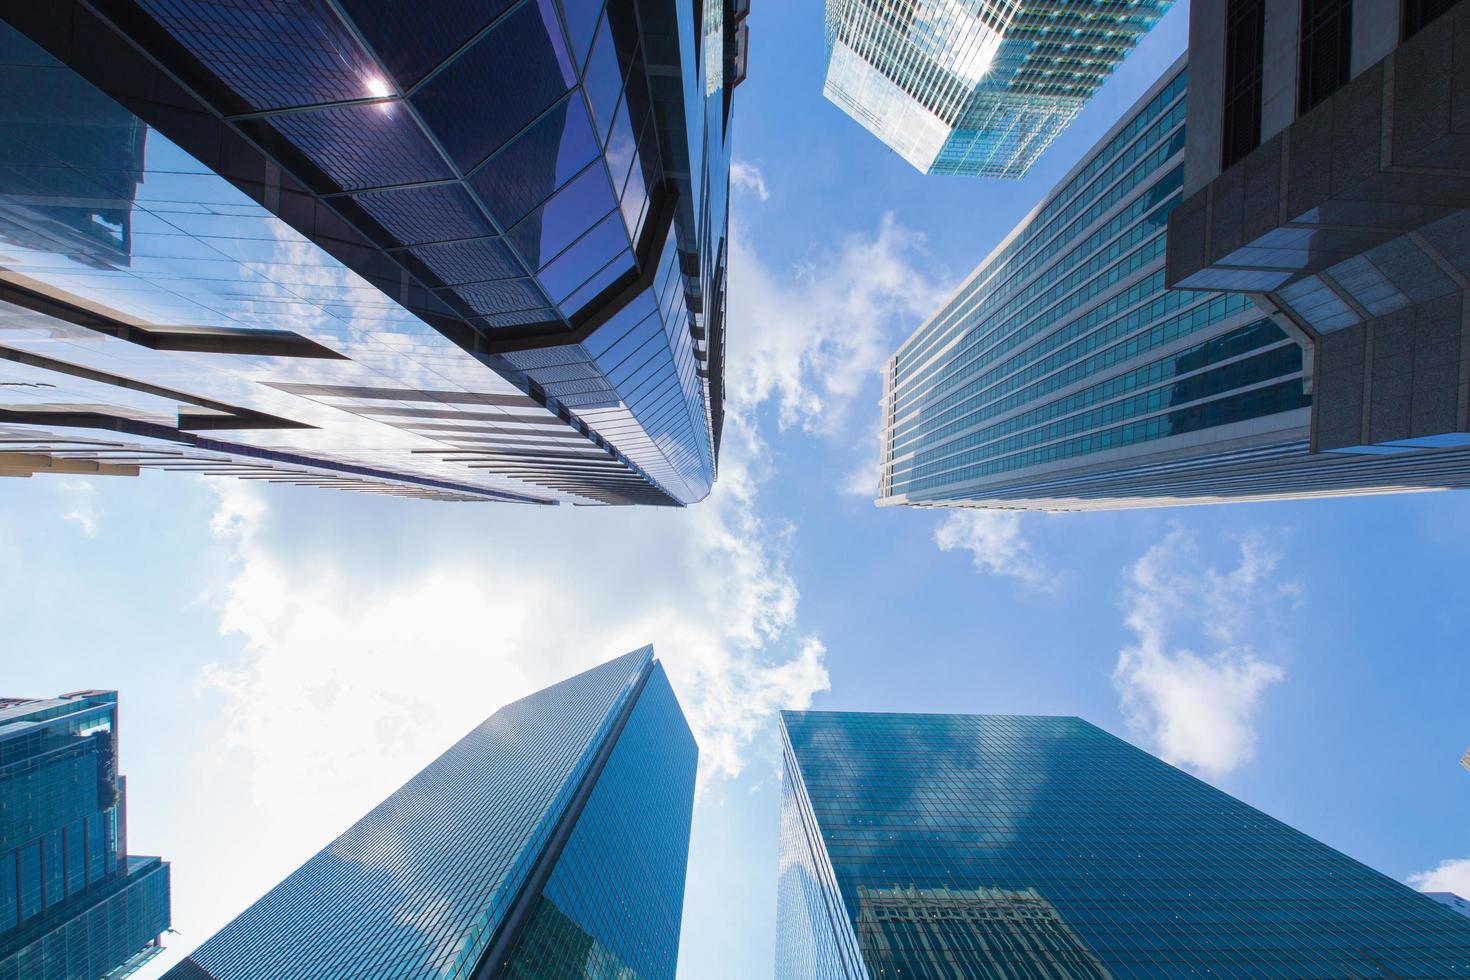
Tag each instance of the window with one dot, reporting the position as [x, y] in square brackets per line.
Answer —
[1326, 50]
[1245, 27]
[1418, 13]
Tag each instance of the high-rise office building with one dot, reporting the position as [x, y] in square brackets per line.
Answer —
[550, 842]
[978, 87]
[1451, 901]
[1328, 180]
[931, 846]
[458, 251]
[74, 904]
[1064, 375]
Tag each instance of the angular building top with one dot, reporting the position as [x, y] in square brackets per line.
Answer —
[979, 846]
[978, 87]
[73, 902]
[325, 243]
[550, 841]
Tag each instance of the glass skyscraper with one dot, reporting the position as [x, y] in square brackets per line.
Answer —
[945, 846]
[977, 87]
[548, 843]
[74, 904]
[448, 250]
[1063, 375]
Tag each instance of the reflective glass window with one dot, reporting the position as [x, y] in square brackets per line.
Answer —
[549, 153]
[584, 258]
[474, 261]
[361, 146]
[9, 900]
[563, 219]
[489, 93]
[604, 278]
[413, 38]
[76, 858]
[30, 880]
[416, 215]
[581, 20]
[604, 79]
[505, 296]
[54, 869]
[273, 53]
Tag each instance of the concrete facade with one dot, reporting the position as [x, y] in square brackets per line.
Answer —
[1349, 224]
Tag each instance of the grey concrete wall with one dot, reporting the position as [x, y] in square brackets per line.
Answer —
[1399, 376]
[1375, 32]
[1279, 66]
[1206, 79]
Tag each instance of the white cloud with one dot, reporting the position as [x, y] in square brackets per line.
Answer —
[995, 543]
[1452, 875]
[355, 674]
[1192, 683]
[80, 504]
[811, 336]
[748, 176]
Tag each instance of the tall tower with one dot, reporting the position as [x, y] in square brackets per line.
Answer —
[442, 249]
[551, 841]
[984, 845]
[976, 87]
[1064, 374]
[73, 902]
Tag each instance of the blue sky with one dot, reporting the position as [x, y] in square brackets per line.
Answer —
[286, 657]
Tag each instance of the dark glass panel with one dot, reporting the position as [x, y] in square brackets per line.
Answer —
[1326, 50]
[563, 219]
[489, 93]
[521, 319]
[610, 274]
[1418, 13]
[415, 215]
[30, 880]
[364, 146]
[539, 160]
[413, 38]
[1245, 29]
[9, 903]
[475, 261]
[55, 869]
[584, 259]
[604, 79]
[272, 53]
[581, 18]
[506, 296]
[76, 858]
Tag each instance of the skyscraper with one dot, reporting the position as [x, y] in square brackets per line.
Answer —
[549, 842]
[74, 904]
[1451, 901]
[931, 846]
[1328, 179]
[1064, 375]
[458, 251]
[978, 87]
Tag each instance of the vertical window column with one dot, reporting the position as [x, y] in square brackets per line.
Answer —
[1245, 30]
[1326, 50]
[1417, 13]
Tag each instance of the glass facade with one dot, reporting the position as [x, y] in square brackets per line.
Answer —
[362, 272]
[1064, 375]
[977, 87]
[550, 842]
[930, 846]
[73, 903]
